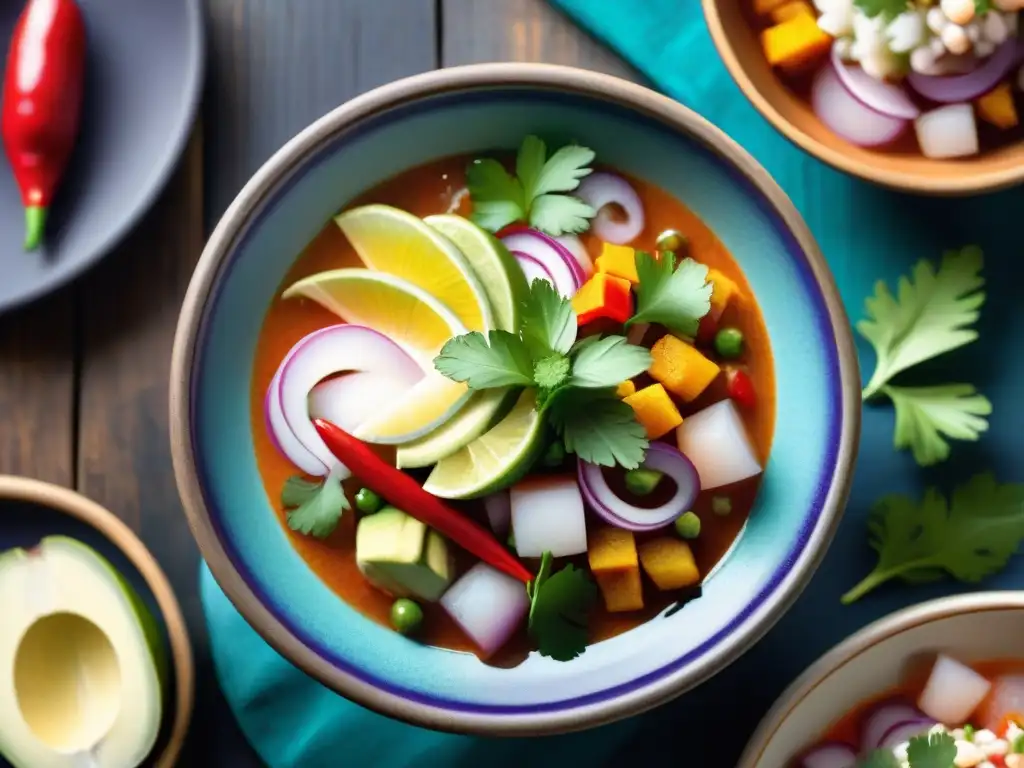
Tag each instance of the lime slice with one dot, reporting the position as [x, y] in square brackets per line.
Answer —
[494, 460]
[427, 405]
[497, 270]
[480, 414]
[403, 312]
[395, 242]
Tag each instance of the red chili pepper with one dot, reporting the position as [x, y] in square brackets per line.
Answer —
[41, 103]
[740, 388]
[406, 494]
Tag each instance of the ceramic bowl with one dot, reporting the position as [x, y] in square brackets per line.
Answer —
[31, 510]
[476, 109]
[974, 627]
[738, 44]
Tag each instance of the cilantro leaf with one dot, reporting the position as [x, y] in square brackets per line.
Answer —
[927, 415]
[931, 314]
[548, 324]
[879, 758]
[560, 214]
[607, 362]
[675, 298]
[598, 427]
[529, 164]
[297, 491]
[563, 170]
[970, 538]
[498, 198]
[888, 9]
[932, 750]
[499, 360]
[981, 7]
[560, 604]
[551, 372]
[319, 513]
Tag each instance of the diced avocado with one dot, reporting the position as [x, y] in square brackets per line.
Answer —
[403, 557]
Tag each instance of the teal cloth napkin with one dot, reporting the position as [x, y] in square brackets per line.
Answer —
[867, 234]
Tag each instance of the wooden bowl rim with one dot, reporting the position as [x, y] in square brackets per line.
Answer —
[967, 183]
[121, 536]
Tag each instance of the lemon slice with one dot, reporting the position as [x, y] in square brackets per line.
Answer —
[406, 314]
[496, 459]
[397, 243]
[502, 278]
[428, 404]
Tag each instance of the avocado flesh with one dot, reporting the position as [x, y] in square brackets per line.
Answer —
[79, 680]
[400, 555]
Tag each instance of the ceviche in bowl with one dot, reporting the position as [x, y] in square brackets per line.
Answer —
[940, 685]
[477, 394]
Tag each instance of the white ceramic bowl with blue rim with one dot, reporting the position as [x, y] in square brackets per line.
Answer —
[476, 109]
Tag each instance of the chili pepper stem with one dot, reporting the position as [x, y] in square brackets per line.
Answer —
[35, 223]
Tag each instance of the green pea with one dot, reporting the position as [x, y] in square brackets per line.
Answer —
[406, 616]
[729, 343]
[1018, 745]
[721, 505]
[688, 525]
[368, 502]
[554, 456]
[675, 241]
[968, 732]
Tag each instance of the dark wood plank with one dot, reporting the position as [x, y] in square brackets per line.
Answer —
[37, 376]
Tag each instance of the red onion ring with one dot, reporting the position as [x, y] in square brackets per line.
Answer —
[847, 116]
[574, 245]
[532, 268]
[661, 457]
[564, 271]
[957, 88]
[599, 190]
[888, 98]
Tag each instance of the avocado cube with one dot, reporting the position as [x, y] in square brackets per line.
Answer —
[401, 556]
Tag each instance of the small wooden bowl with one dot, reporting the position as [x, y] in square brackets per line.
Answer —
[31, 509]
[738, 44]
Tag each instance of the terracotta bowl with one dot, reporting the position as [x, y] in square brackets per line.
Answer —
[738, 44]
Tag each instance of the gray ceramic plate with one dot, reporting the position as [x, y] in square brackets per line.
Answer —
[144, 81]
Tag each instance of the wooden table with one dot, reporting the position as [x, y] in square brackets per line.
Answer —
[84, 373]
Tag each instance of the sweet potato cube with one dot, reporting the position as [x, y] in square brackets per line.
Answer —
[669, 563]
[655, 410]
[618, 260]
[613, 560]
[763, 7]
[794, 43]
[625, 389]
[997, 107]
[723, 290]
[790, 10]
[681, 368]
[603, 296]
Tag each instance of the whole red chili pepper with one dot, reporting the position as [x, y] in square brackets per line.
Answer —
[406, 494]
[41, 103]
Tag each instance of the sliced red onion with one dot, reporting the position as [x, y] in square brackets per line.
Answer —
[882, 718]
[532, 268]
[499, 511]
[330, 350]
[902, 732]
[831, 754]
[547, 516]
[575, 246]
[849, 118]
[953, 691]
[615, 511]
[565, 271]
[349, 399]
[600, 190]
[958, 88]
[488, 605]
[882, 96]
[717, 442]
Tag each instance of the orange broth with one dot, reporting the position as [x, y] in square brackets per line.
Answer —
[429, 189]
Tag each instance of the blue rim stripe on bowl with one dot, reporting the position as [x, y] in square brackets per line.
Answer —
[824, 328]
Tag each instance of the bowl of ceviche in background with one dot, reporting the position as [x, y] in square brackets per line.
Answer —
[936, 685]
[512, 399]
[922, 96]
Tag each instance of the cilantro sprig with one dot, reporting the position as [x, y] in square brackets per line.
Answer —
[575, 380]
[931, 314]
[560, 604]
[930, 750]
[538, 192]
[674, 297]
[314, 509]
[969, 538]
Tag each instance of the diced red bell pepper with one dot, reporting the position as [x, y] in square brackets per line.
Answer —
[603, 296]
[740, 388]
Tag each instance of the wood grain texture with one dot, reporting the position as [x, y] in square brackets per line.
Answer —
[37, 380]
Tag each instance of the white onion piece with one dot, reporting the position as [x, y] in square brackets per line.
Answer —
[717, 443]
[532, 268]
[620, 513]
[953, 691]
[903, 732]
[1007, 696]
[882, 96]
[575, 246]
[323, 353]
[832, 754]
[487, 604]
[547, 516]
[348, 400]
[949, 131]
[847, 117]
[600, 190]
[282, 436]
[566, 272]
[880, 720]
[499, 511]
